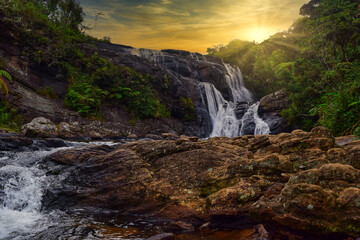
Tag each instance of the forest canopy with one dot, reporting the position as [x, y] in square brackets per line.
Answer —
[316, 60]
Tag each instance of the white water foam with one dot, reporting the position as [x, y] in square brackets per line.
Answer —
[222, 112]
[22, 186]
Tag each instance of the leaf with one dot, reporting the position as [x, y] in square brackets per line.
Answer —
[3, 86]
[354, 103]
[6, 75]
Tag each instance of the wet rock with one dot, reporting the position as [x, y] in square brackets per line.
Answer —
[205, 225]
[179, 226]
[241, 109]
[49, 143]
[40, 127]
[163, 236]
[14, 143]
[270, 109]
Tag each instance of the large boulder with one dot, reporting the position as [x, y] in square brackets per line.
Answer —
[275, 102]
[270, 109]
[40, 127]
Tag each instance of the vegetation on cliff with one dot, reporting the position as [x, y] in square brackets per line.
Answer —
[316, 60]
[51, 34]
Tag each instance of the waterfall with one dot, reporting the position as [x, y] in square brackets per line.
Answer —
[222, 113]
[252, 115]
[235, 80]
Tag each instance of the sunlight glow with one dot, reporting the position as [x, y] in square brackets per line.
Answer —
[187, 24]
[260, 34]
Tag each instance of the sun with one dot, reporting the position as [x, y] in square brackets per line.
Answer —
[259, 34]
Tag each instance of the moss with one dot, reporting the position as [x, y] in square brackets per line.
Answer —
[47, 92]
[189, 108]
[214, 186]
[352, 229]
[332, 229]
[294, 147]
[208, 204]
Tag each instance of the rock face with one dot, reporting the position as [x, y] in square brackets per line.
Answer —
[275, 102]
[270, 109]
[184, 72]
[300, 183]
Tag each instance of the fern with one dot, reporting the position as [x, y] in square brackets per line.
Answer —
[3, 86]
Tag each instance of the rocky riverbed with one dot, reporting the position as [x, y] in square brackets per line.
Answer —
[299, 185]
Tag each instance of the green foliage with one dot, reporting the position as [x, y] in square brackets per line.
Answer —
[84, 98]
[52, 34]
[3, 85]
[357, 133]
[95, 81]
[316, 60]
[47, 92]
[9, 118]
[189, 108]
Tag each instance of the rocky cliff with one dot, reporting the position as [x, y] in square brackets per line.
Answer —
[184, 96]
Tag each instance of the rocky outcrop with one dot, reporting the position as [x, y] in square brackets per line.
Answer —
[270, 109]
[300, 184]
[40, 127]
[99, 130]
[275, 102]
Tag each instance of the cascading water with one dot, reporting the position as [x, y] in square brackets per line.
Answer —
[23, 184]
[223, 113]
[252, 115]
[235, 80]
[21, 189]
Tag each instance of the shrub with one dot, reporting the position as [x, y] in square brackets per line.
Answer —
[85, 98]
[189, 109]
[357, 133]
[9, 117]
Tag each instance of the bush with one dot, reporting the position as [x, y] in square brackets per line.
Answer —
[9, 117]
[85, 98]
[357, 133]
[189, 109]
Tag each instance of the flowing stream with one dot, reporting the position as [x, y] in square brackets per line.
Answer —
[23, 185]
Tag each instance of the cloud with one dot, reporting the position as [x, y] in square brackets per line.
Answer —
[187, 24]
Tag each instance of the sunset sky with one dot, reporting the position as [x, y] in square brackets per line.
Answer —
[192, 25]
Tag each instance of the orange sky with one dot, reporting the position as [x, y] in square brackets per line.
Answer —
[192, 25]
